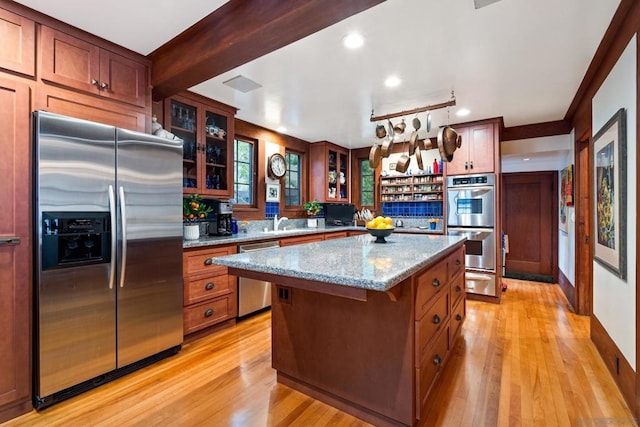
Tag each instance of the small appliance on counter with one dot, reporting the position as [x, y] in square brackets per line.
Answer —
[221, 225]
[339, 214]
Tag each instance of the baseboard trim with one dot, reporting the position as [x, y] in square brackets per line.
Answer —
[568, 289]
[623, 374]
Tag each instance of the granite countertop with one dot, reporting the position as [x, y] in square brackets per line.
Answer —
[353, 261]
[261, 235]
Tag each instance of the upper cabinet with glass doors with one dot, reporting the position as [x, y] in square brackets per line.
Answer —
[330, 174]
[206, 127]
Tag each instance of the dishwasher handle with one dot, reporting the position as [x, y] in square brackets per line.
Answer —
[252, 247]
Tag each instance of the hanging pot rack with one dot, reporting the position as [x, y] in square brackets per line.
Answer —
[449, 103]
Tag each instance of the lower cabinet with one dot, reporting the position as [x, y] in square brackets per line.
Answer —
[439, 314]
[210, 293]
[298, 240]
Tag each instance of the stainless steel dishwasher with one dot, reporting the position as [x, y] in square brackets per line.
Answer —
[254, 295]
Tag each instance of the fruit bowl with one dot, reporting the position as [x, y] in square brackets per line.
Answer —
[380, 233]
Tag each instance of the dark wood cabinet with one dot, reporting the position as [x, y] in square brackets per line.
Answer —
[329, 176]
[210, 293]
[15, 249]
[17, 43]
[477, 153]
[207, 129]
[77, 64]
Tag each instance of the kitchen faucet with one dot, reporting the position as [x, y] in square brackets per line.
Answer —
[276, 222]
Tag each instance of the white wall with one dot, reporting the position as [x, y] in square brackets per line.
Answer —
[614, 300]
[566, 241]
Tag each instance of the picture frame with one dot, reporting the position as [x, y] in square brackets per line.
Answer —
[566, 197]
[273, 193]
[609, 170]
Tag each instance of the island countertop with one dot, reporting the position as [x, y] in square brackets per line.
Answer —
[354, 261]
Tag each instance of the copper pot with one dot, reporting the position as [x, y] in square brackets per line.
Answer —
[448, 142]
[400, 127]
[374, 156]
[419, 159]
[387, 146]
[381, 131]
[403, 163]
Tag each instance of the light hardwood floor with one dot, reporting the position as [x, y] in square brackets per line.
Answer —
[526, 362]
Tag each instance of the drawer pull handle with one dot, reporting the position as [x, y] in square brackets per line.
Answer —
[435, 283]
[95, 83]
[458, 288]
[209, 312]
[437, 360]
[458, 317]
[436, 319]
[209, 286]
[208, 261]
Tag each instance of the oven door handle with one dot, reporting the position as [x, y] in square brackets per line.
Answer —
[471, 231]
[478, 188]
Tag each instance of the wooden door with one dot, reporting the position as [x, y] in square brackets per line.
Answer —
[530, 220]
[69, 61]
[17, 43]
[122, 79]
[481, 149]
[15, 256]
[584, 263]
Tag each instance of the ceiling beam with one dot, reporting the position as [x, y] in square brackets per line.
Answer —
[238, 32]
[536, 130]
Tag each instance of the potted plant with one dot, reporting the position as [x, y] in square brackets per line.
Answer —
[312, 209]
[193, 210]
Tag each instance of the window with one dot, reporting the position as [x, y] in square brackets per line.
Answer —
[366, 184]
[243, 172]
[292, 179]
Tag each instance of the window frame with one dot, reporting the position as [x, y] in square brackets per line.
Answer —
[300, 170]
[253, 172]
[373, 184]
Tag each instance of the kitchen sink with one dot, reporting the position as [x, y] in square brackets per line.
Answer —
[287, 230]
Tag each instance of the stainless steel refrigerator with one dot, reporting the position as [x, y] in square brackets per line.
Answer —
[108, 253]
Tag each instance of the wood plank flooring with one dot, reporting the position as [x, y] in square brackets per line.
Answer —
[526, 362]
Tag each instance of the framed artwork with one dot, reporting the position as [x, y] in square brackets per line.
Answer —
[566, 196]
[610, 194]
[273, 192]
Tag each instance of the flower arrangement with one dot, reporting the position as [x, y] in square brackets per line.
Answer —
[312, 208]
[193, 208]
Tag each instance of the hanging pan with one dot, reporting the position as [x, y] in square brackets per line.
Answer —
[374, 156]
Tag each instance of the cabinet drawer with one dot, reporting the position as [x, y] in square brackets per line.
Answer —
[436, 318]
[457, 289]
[458, 315]
[429, 284]
[455, 263]
[336, 235]
[201, 261]
[211, 287]
[430, 367]
[209, 313]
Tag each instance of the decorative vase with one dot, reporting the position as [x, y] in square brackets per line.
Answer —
[192, 232]
[312, 222]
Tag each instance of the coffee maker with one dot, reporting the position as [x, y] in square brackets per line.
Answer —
[222, 224]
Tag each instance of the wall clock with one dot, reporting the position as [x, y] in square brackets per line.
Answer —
[277, 166]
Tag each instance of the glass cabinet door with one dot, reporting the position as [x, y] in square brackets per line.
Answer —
[184, 124]
[215, 151]
[343, 176]
[332, 174]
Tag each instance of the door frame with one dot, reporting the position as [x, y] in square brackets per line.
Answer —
[583, 301]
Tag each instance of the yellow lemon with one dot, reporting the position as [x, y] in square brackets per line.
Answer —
[388, 221]
[381, 225]
[388, 226]
[371, 224]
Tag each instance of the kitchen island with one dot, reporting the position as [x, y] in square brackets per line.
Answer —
[364, 327]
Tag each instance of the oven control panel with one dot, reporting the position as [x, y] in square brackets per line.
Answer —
[470, 180]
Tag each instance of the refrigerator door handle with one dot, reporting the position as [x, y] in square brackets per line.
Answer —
[123, 221]
[112, 212]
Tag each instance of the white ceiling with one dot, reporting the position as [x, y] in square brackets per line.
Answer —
[519, 59]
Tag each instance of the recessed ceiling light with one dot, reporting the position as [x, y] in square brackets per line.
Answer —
[463, 112]
[392, 81]
[242, 84]
[353, 41]
[281, 129]
[526, 159]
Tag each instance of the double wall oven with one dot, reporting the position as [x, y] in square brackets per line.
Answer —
[471, 213]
